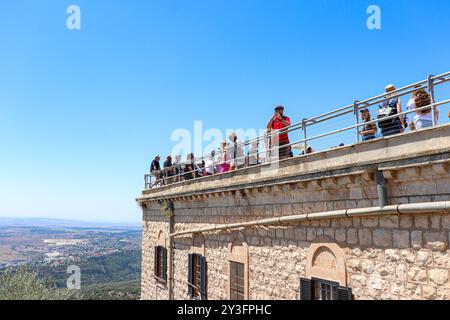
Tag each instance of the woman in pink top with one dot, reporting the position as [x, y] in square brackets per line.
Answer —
[225, 157]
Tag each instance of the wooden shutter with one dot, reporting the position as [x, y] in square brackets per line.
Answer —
[164, 257]
[344, 293]
[155, 261]
[203, 277]
[190, 273]
[305, 289]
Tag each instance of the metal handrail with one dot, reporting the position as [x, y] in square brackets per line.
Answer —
[430, 83]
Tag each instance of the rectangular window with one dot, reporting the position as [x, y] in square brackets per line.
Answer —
[197, 277]
[320, 289]
[325, 290]
[237, 281]
[160, 263]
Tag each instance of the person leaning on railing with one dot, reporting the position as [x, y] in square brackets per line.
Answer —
[224, 157]
[389, 108]
[236, 152]
[209, 164]
[168, 170]
[253, 154]
[369, 130]
[424, 118]
[178, 168]
[155, 169]
[189, 168]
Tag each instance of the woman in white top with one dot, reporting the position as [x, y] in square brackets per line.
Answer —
[236, 152]
[422, 118]
[210, 164]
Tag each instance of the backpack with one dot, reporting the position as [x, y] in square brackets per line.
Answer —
[387, 109]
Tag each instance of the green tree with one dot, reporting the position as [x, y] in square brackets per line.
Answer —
[20, 284]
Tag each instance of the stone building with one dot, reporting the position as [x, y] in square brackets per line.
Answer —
[368, 221]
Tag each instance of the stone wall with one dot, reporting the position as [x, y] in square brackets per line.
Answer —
[386, 258]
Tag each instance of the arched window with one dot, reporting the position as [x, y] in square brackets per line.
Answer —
[326, 276]
[160, 257]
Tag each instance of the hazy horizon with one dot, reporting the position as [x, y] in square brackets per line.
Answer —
[72, 220]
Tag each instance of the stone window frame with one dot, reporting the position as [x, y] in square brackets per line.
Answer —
[195, 248]
[161, 237]
[198, 248]
[339, 275]
[240, 255]
[161, 241]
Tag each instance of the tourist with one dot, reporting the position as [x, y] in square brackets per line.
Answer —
[178, 168]
[423, 118]
[168, 170]
[210, 163]
[280, 138]
[189, 168]
[155, 169]
[253, 154]
[200, 169]
[308, 150]
[236, 152]
[388, 108]
[369, 130]
[224, 157]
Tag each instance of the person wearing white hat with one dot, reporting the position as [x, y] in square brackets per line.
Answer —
[390, 108]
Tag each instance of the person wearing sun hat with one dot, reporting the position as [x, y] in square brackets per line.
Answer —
[388, 108]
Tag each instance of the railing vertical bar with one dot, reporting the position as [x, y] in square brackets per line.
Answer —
[355, 111]
[305, 137]
[431, 91]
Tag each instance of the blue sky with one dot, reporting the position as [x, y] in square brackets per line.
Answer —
[82, 112]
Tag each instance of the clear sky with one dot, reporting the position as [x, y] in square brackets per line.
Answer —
[82, 112]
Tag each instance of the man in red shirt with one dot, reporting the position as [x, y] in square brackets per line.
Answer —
[280, 137]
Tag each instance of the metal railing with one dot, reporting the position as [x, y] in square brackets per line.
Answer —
[333, 129]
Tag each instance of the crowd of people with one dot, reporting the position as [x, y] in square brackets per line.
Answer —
[231, 156]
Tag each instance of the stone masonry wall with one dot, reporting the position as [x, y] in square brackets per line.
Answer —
[388, 257]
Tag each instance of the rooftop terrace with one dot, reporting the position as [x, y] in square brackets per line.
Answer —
[324, 133]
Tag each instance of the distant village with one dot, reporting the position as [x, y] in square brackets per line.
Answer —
[58, 246]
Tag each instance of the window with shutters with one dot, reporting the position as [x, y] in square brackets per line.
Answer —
[320, 289]
[197, 277]
[237, 281]
[160, 263]
[238, 274]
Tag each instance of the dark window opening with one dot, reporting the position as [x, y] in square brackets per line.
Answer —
[197, 277]
[320, 289]
[160, 263]
[237, 281]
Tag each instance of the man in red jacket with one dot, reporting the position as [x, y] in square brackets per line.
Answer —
[280, 137]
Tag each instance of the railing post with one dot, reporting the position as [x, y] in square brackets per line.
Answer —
[257, 150]
[431, 91]
[355, 111]
[202, 168]
[304, 135]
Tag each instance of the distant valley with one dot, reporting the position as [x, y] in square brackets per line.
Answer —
[108, 254]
